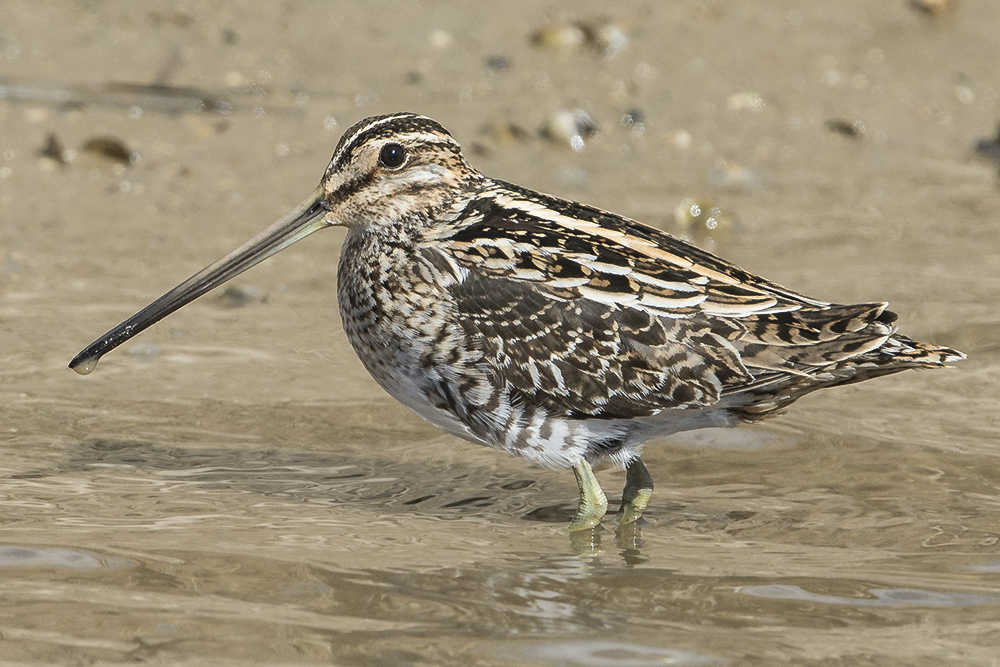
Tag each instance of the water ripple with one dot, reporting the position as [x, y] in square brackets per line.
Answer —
[882, 597]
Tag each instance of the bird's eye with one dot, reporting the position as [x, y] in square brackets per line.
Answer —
[392, 156]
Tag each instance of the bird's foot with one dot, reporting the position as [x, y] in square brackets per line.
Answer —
[631, 510]
[638, 490]
[593, 503]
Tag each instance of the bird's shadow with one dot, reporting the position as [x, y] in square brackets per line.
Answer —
[380, 485]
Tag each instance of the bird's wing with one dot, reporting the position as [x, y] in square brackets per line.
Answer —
[603, 316]
[583, 252]
[598, 314]
[588, 358]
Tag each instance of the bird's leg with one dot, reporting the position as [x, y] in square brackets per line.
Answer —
[593, 502]
[637, 492]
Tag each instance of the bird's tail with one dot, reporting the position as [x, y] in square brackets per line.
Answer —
[831, 346]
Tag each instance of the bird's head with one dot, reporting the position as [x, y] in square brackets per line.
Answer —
[389, 173]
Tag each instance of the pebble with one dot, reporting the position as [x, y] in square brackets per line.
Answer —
[572, 127]
[110, 148]
[53, 150]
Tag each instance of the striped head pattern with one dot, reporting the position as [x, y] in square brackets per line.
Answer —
[395, 168]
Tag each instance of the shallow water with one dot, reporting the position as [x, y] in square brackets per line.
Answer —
[231, 487]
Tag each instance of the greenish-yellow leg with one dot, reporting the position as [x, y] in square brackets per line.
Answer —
[637, 492]
[593, 502]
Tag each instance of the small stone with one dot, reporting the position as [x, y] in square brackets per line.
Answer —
[634, 119]
[111, 149]
[608, 38]
[570, 127]
[53, 150]
[847, 128]
[989, 148]
[611, 39]
[561, 37]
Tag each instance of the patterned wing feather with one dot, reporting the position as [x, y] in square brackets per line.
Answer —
[597, 315]
[586, 358]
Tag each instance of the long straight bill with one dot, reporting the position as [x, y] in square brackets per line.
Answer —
[307, 218]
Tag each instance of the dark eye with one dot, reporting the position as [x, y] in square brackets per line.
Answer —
[392, 156]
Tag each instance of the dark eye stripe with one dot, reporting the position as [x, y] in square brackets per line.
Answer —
[352, 187]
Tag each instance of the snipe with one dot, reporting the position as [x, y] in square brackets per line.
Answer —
[546, 328]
